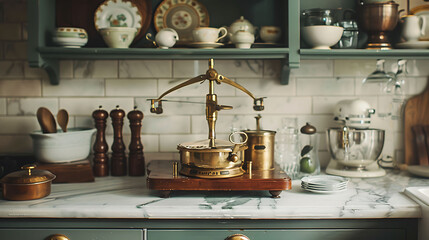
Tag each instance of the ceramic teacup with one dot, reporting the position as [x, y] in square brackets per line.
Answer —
[270, 34]
[208, 34]
[118, 37]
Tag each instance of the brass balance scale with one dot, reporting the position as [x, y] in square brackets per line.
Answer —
[213, 164]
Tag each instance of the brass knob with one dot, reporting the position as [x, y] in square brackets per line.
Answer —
[237, 237]
[57, 237]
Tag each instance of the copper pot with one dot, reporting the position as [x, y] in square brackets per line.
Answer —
[378, 19]
[27, 184]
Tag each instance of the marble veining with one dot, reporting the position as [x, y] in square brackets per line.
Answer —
[128, 197]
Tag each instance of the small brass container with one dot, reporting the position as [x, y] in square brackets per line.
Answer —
[260, 149]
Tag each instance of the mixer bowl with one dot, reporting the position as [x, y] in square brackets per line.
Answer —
[365, 146]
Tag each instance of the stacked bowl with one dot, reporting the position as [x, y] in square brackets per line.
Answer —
[70, 37]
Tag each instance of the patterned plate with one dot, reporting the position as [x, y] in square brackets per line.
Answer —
[182, 16]
[118, 13]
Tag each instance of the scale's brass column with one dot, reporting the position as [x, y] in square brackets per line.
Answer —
[101, 159]
[136, 163]
[118, 160]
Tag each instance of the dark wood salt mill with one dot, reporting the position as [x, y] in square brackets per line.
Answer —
[118, 161]
[136, 163]
[101, 159]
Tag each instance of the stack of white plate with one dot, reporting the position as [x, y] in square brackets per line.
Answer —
[324, 183]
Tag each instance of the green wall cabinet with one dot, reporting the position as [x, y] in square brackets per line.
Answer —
[41, 23]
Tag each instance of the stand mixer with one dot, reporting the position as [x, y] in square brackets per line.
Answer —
[354, 147]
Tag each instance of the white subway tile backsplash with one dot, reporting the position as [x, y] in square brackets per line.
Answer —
[95, 69]
[31, 72]
[85, 106]
[325, 86]
[12, 69]
[74, 87]
[144, 69]
[353, 68]
[18, 124]
[418, 68]
[266, 87]
[227, 68]
[66, 69]
[16, 144]
[15, 50]
[130, 87]
[29, 106]
[314, 68]
[160, 124]
[20, 88]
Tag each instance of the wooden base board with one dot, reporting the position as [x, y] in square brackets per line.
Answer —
[72, 172]
[161, 178]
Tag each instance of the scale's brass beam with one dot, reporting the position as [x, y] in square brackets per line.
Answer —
[199, 78]
[234, 84]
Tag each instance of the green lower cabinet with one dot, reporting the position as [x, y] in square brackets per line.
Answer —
[290, 234]
[72, 234]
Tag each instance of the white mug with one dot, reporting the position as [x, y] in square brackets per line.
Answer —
[270, 34]
[208, 34]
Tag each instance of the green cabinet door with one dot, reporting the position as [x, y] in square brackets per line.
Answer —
[72, 234]
[290, 234]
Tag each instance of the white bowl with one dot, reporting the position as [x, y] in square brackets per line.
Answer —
[69, 42]
[321, 36]
[118, 37]
[60, 147]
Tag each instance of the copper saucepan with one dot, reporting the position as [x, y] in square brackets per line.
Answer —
[27, 184]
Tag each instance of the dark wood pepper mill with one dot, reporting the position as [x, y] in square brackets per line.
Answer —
[101, 159]
[136, 163]
[118, 162]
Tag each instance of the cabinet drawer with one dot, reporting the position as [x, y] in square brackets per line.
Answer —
[72, 234]
[275, 234]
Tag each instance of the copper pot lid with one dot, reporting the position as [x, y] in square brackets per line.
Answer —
[29, 175]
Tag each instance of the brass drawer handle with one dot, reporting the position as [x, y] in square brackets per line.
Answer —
[237, 237]
[57, 237]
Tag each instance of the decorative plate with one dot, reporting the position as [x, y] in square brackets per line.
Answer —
[423, 11]
[118, 13]
[182, 16]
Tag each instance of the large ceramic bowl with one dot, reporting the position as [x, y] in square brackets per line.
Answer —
[118, 37]
[60, 147]
[321, 36]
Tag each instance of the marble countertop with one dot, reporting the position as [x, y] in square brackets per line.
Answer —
[127, 197]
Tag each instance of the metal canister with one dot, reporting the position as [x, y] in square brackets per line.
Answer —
[260, 149]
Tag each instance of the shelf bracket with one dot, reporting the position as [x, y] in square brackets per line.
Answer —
[284, 72]
[52, 69]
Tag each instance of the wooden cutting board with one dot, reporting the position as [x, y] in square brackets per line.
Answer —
[416, 113]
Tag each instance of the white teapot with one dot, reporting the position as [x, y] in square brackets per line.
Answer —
[242, 24]
[165, 38]
[243, 38]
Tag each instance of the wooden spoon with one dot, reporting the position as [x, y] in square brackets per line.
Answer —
[46, 120]
[63, 119]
